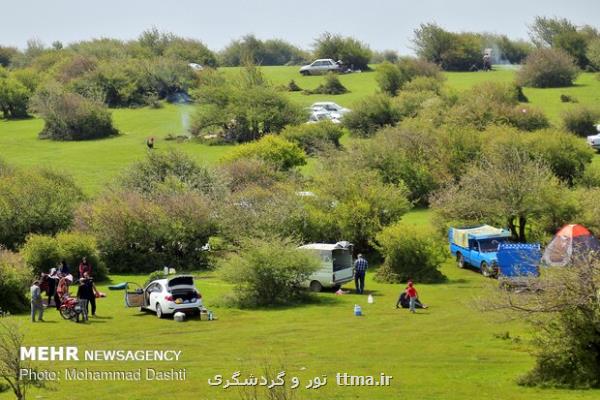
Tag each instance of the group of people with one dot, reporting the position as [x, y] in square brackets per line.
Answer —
[56, 285]
[409, 298]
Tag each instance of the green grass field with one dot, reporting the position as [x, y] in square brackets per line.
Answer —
[95, 163]
[450, 351]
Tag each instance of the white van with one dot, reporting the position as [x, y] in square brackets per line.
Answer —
[336, 265]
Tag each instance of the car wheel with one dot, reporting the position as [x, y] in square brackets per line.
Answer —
[315, 286]
[486, 270]
[305, 73]
[460, 260]
[159, 311]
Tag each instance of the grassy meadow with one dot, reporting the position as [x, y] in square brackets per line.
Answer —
[450, 351]
[93, 164]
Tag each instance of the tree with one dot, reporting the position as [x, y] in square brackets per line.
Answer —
[544, 30]
[563, 307]
[14, 96]
[370, 114]
[389, 78]
[6, 55]
[508, 188]
[593, 53]
[268, 52]
[351, 51]
[451, 51]
[11, 364]
[274, 150]
[243, 108]
[574, 44]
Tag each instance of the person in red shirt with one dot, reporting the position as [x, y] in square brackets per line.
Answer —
[412, 294]
[84, 267]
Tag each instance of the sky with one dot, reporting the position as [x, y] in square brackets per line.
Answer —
[383, 24]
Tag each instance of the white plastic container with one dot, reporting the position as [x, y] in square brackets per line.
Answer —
[370, 299]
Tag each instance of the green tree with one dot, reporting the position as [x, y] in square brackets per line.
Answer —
[274, 150]
[14, 96]
[351, 51]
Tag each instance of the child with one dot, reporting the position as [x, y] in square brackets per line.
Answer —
[411, 292]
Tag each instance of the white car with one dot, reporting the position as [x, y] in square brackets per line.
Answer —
[332, 108]
[321, 66]
[168, 296]
[594, 140]
[322, 115]
[337, 267]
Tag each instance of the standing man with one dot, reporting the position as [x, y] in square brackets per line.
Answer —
[360, 270]
[37, 304]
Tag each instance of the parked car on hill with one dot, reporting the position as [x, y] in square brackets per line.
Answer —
[594, 140]
[320, 66]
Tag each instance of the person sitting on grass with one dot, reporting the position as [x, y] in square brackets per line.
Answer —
[403, 299]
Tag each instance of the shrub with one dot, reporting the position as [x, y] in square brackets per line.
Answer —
[410, 253]
[590, 177]
[140, 234]
[370, 114]
[593, 53]
[245, 172]
[33, 201]
[547, 68]
[413, 67]
[314, 137]
[274, 150]
[527, 118]
[332, 85]
[15, 280]
[581, 120]
[154, 276]
[14, 97]
[293, 87]
[565, 98]
[269, 272]
[389, 78]
[70, 116]
[268, 52]
[451, 51]
[410, 103]
[160, 171]
[424, 84]
[43, 252]
[351, 51]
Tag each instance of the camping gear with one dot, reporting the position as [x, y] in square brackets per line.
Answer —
[357, 310]
[179, 316]
[370, 299]
[571, 244]
[518, 260]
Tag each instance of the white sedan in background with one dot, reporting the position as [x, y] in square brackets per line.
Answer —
[168, 296]
[327, 110]
[594, 140]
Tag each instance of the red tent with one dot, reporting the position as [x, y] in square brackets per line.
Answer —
[571, 243]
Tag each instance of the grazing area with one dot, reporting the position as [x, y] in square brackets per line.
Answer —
[94, 163]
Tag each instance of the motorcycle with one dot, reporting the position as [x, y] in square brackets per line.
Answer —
[71, 309]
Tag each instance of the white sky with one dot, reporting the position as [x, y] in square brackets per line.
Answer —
[384, 24]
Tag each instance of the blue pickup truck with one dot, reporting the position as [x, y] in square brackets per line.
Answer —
[478, 247]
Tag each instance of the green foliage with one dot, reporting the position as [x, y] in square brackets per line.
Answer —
[269, 272]
[314, 137]
[154, 276]
[276, 151]
[389, 78]
[351, 51]
[165, 171]
[242, 109]
[581, 120]
[574, 44]
[451, 51]
[410, 253]
[293, 87]
[43, 252]
[6, 55]
[593, 53]
[414, 67]
[69, 116]
[351, 206]
[547, 68]
[34, 201]
[380, 57]
[268, 52]
[14, 96]
[370, 114]
[141, 234]
[332, 85]
[15, 279]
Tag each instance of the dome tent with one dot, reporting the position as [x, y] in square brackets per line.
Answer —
[572, 243]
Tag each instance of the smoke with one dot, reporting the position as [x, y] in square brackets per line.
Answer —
[185, 112]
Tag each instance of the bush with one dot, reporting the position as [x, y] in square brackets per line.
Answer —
[269, 272]
[34, 202]
[424, 84]
[273, 150]
[451, 51]
[410, 253]
[527, 118]
[162, 171]
[593, 53]
[268, 52]
[314, 137]
[565, 98]
[247, 172]
[70, 116]
[332, 86]
[413, 67]
[293, 87]
[547, 68]
[142, 234]
[370, 114]
[14, 97]
[389, 78]
[154, 276]
[410, 103]
[15, 280]
[43, 252]
[351, 51]
[581, 120]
